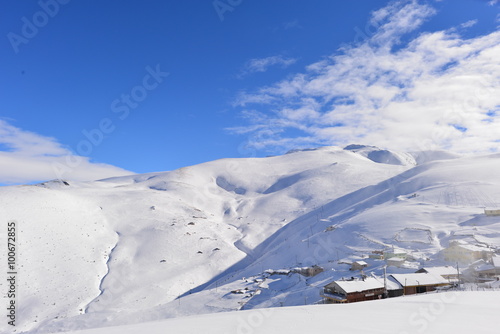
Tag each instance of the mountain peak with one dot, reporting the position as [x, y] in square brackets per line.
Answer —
[382, 156]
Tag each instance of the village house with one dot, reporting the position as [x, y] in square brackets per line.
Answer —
[395, 261]
[463, 252]
[395, 252]
[308, 271]
[419, 282]
[492, 212]
[358, 265]
[481, 271]
[377, 255]
[353, 290]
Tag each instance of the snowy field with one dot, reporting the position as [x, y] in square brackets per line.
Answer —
[450, 312]
[226, 236]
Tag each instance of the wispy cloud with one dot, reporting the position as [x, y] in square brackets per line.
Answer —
[263, 64]
[469, 24]
[29, 157]
[438, 90]
[291, 25]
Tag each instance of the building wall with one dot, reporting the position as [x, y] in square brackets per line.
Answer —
[411, 290]
[395, 293]
[492, 212]
[356, 266]
[388, 255]
[354, 296]
[364, 295]
[457, 253]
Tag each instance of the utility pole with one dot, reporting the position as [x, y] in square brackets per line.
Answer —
[385, 281]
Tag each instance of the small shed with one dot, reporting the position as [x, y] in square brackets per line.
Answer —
[358, 265]
[308, 271]
[353, 290]
[419, 282]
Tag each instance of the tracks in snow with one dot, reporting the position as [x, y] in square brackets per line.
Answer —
[100, 287]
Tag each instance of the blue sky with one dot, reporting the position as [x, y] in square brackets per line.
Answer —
[159, 85]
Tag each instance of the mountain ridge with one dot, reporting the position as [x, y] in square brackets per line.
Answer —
[166, 244]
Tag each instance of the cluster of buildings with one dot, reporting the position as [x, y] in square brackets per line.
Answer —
[483, 266]
[392, 285]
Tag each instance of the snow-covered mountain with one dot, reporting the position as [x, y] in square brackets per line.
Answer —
[215, 237]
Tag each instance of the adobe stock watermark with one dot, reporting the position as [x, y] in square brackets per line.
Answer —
[223, 6]
[253, 320]
[122, 107]
[420, 320]
[370, 29]
[31, 26]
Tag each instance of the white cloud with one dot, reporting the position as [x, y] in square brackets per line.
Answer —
[263, 64]
[440, 90]
[469, 24]
[29, 157]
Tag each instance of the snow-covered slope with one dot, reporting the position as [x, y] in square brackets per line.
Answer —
[160, 245]
[451, 312]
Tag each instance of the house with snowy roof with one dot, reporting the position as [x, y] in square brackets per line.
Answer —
[447, 272]
[463, 252]
[395, 252]
[358, 265]
[419, 282]
[353, 290]
[395, 261]
[481, 271]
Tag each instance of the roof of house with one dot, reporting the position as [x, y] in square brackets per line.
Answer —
[368, 283]
[496, 261]
[439, 271]
[417, 279]
[392, 284]
[485, 267]
[464, 245]
[361, 263]
[395, 251]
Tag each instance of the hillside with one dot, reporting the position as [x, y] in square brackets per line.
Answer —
[463, 312]
[152, 246]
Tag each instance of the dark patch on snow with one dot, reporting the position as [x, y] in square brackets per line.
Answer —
[226, 185]
[283, 183]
